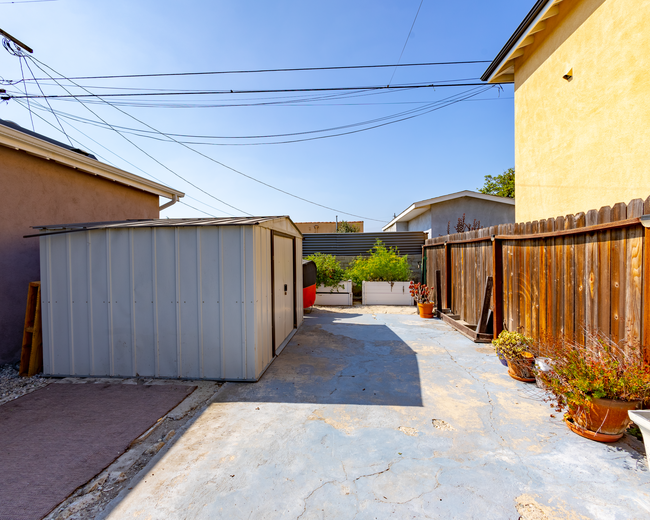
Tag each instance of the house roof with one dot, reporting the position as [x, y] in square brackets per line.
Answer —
[502, 68]
[16, 137]
[417, 208]
[159, 222]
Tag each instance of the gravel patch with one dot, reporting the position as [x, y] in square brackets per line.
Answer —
[367, 309]
[13, 386]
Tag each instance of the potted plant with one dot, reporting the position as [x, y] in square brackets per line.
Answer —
[515, 349]
[332, 286]
[598, 383]
[423, 296]
[384, 276]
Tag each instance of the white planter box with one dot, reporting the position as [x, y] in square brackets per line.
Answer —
[340, 295]
[386, 293]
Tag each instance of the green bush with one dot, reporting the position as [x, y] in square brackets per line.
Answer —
[329, 271]
[383, 265]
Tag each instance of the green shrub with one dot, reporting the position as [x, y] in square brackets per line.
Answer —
[383, 265]
[328, 270]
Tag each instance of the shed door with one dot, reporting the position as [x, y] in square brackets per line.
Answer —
[283, 287]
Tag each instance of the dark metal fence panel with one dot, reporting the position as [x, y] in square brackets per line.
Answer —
[354, 244]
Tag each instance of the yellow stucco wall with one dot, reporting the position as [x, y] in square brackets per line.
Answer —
[584, 144]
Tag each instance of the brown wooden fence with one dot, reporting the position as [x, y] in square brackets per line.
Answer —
[559, 276]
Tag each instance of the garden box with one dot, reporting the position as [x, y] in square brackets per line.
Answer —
[339, 295]
[386, 293]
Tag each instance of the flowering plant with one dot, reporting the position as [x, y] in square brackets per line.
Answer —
[599, 369]
[513, 345]
[421, 292]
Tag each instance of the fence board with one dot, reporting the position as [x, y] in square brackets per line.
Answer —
[604, 276]
[617, 274]
[591, 270]
[634, 288]
[543, 227]
[580, 287]
[568, 287]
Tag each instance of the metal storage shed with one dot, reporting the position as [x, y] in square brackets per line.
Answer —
[174, 298]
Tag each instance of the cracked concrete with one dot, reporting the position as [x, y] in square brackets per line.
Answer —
[384, 416]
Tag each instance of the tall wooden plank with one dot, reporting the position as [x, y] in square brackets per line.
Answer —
[541, 251]
[534, 282]
[497, 269]
[617, 275]
[568, 275]
[591, 272]
[634, 245]
[550, 226]
[527, 282]
[645, 306]
[580, 285]
[448, 268]
[604, 276]
[558, 282]
[516, 287]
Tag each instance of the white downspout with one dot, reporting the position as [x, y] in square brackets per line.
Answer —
[170, 203]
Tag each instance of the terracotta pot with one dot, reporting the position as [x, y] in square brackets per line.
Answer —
[426, 310]
[522, 369]
[606, 416]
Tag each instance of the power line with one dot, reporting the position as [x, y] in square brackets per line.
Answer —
[124, 160]
[406, 42]
[267, 91]
[139, 132]
[205, 156]
[257, 71]
[138, 147]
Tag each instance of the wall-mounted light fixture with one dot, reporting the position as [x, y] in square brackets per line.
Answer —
[569, 75]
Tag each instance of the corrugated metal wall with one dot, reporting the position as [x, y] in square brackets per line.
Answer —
[354, 244]
[157, 302]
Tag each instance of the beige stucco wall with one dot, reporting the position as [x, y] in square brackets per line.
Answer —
[37, 192]
[584, 144]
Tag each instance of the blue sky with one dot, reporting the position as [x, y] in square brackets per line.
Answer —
[373, 173]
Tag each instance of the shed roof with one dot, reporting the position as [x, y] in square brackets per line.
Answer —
[501, 69]
[417, 208]
[16, 137]
[160, 222]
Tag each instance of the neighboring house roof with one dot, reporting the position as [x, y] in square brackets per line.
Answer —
[502, 69]
[19, 138]
[417, 208]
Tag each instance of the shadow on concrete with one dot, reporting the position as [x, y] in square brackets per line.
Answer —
[329, 362]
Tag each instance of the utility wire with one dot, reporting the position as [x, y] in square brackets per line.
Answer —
[406, 42]
[140, 132]
[266, 91]
[31, 117]
[36, 62]
[122, 159]
[206, 156]
[257, 71]
[21, 55]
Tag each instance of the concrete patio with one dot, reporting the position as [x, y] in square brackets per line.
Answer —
[385, 416]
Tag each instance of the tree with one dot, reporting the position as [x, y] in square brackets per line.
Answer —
[502, 185]
[346, 227]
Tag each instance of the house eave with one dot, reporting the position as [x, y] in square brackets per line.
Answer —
[16, 140]
[501, 70]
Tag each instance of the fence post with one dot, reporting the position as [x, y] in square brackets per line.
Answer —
[448, 280]
[497, 265]
[438, 293]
